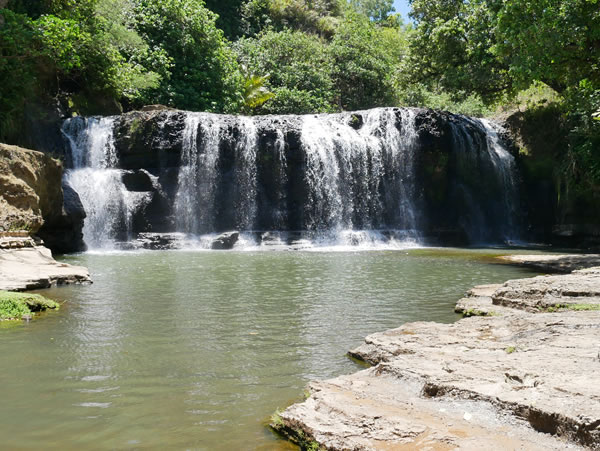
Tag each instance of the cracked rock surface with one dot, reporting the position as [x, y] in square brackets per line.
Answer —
[519, 377]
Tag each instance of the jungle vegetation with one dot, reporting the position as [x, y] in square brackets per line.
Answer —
[302, 56]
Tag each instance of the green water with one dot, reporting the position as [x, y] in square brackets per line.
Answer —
[194, 350]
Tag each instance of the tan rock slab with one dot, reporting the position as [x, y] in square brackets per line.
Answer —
[33, 267]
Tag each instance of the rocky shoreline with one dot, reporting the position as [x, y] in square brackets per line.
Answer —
[37, 211]
[27, 265]
[522, 372]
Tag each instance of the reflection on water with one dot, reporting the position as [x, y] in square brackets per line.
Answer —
[194, 350]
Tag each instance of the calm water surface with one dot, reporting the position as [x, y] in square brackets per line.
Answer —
[195, 350]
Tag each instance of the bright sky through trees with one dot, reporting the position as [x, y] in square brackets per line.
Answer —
[402, 7]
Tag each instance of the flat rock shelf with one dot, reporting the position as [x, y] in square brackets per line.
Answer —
[522, 372]
[25, 265]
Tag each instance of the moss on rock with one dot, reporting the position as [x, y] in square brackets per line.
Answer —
[22, 305]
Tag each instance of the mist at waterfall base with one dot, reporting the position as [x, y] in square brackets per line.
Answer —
[327, 182]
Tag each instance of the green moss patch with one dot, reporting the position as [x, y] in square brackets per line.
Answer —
[575, 307]
[23, 305]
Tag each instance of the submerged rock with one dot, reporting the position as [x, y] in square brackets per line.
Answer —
[225, 241]
[512, 379]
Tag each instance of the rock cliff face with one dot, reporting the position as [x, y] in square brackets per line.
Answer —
[443, 176]
[31, 199]
[557, 213]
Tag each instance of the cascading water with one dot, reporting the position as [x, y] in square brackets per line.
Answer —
[360, 178]
[505, 166]
[368, 179]
[95, 177]
[195, 198]
[474, 153]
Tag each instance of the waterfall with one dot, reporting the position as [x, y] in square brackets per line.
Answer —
[360, 178]
[98, 181]
[381, 177]
[485, 164]
[195, 198]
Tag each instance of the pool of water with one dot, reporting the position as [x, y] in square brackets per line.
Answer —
[195, 350]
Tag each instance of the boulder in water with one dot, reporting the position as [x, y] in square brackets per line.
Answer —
[160, 241]
[225, 241]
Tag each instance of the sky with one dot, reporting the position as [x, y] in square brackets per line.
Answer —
[402, 8]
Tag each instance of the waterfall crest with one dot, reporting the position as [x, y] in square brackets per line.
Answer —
[386, 176]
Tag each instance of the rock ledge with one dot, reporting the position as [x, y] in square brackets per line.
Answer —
[525, 375]
[29, 266]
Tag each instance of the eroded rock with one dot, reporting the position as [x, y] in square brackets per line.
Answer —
[31, 199]
[32, 266]
[518, 378]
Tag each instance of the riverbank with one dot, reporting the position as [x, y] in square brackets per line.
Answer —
[27, 265]
[519, 373]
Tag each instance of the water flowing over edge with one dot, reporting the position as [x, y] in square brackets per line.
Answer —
[359, 181]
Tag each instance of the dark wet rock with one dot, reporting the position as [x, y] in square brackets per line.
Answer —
[160, 241]
[225, 241]
[138, 181]
[32, 200]
[64, 233]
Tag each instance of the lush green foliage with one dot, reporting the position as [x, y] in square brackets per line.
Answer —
[494, 49]
[298, 69]
[365, 58]
[298, 56]
[377, 10]
[203, 73]
[357, 68]
[309, 16]
[229, 12]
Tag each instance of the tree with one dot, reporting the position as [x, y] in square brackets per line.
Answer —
[556, 42]
[365, 60]
[299, 69]
[453, 47]
[203, 74]
[18, 55]
[377, 10]
[229, 13]
[310, 16]
[494, 47]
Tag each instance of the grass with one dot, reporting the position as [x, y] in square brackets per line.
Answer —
[15, 306]
[510, 349]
